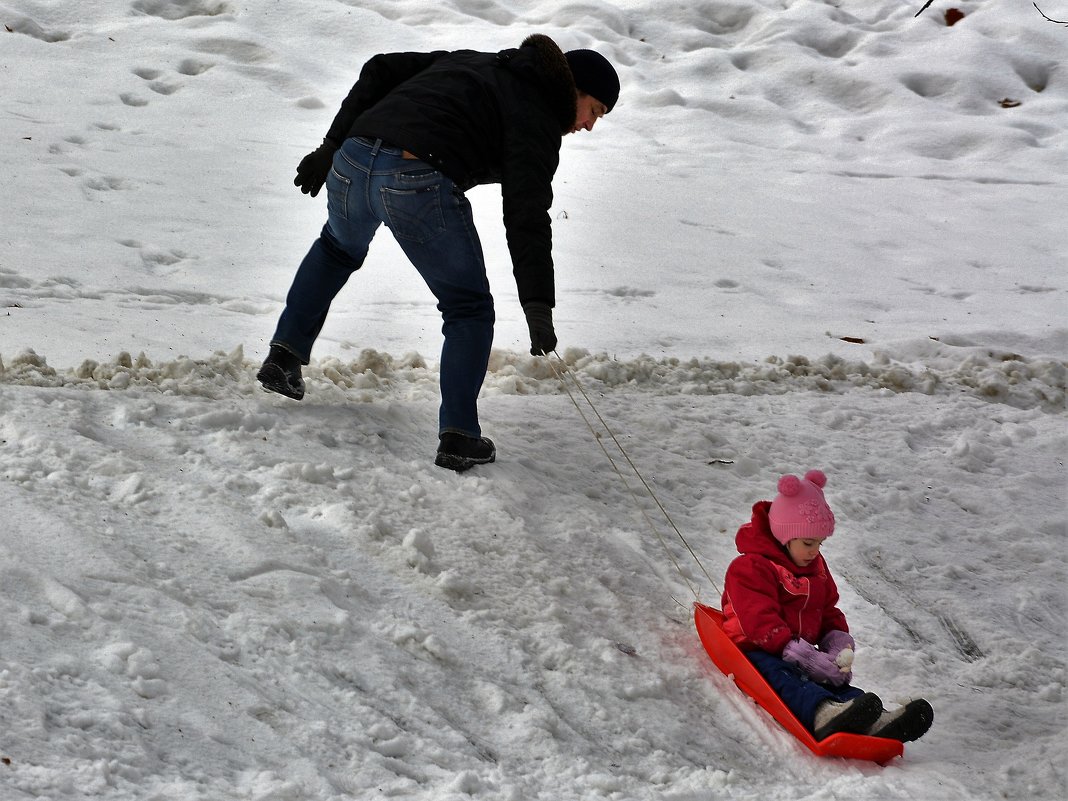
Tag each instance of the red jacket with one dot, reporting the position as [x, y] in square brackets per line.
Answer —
[768, 600]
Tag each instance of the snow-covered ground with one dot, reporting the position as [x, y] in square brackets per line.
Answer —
[812, 234]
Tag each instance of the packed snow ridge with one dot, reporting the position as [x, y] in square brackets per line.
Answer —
[990, 374]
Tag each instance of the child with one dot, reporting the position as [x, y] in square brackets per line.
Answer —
[780, 607]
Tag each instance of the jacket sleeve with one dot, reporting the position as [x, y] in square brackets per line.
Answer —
[531, 156]
[752, 589]
[379, 76]
[833, 617]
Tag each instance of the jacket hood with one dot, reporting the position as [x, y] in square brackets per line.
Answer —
[755, 537]
[541, 61]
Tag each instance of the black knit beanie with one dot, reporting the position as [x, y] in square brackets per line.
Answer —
[594, 75]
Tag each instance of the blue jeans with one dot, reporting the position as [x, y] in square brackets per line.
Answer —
[800, 693]
[371, 184]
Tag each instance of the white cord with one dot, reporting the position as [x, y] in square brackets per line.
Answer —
[600, 441]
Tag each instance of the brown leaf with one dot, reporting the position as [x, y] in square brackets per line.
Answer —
[953, 16]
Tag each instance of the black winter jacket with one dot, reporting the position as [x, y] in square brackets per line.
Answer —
[479, 118]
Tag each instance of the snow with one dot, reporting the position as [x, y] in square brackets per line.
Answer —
[811, 235]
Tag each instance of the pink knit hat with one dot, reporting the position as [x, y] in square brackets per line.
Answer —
[799, 509]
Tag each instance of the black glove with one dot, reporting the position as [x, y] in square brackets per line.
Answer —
[313, 168]
[540, 324]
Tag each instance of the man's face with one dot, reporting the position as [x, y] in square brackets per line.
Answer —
[590, 109]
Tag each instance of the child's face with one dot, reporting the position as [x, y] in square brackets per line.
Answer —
[804, 550]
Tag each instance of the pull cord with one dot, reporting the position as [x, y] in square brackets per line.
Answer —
[566, 371]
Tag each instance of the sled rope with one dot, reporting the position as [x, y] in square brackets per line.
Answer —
[630, 463]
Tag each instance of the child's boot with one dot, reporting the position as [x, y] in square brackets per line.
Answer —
[856, 715]
[906, 723]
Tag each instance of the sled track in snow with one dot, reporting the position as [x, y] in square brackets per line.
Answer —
[962, 641]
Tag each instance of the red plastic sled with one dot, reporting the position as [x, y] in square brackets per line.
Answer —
[733, 663]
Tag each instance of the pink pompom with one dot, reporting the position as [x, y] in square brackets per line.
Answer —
[789, 486]
[817, 477]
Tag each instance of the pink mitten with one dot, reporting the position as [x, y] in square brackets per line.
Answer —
[818, 665]
[834, 641]
[840, 647]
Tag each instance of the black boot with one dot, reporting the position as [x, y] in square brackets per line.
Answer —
[906, 723]
[281, 373]
[458, 452]
[855, 715]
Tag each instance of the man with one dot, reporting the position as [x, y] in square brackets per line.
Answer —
[415, 132]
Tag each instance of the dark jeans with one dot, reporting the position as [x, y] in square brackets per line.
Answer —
[371, 184]
[800, 693]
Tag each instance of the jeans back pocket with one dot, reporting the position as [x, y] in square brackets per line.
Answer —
[337, 194]
[414, 213]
